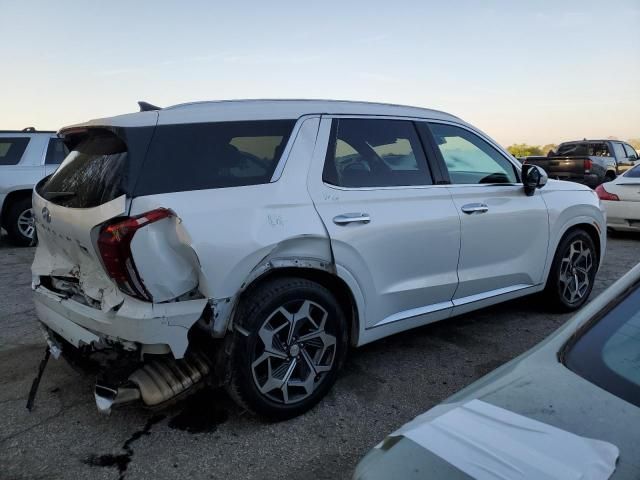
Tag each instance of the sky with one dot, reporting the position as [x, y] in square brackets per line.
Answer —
[533, 72]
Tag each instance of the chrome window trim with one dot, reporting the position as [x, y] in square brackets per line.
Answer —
[500, 150]
[282, 162]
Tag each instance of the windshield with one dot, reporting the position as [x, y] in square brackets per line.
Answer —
[608, 353]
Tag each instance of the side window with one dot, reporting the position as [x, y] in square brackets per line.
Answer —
[598, 150]
[470, 159]
[375, 153]
[631, 153]
[56, 151]
[619, 151]
[11, 150]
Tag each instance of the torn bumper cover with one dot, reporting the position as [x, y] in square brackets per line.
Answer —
[134, 329]
[156, 328]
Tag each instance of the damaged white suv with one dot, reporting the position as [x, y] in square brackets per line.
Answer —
[249, 243]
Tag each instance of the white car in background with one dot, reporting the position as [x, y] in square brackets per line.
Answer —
[621, 199]
[25, 157]
[248, 243]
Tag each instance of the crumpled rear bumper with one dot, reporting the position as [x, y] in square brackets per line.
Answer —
[154, 328]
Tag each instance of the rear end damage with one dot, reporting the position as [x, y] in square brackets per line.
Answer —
[122, 292]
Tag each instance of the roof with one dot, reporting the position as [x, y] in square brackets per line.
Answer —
[239, 110]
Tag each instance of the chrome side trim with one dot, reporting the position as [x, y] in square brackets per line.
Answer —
[436, 307]
[414, 312]
[491, 293]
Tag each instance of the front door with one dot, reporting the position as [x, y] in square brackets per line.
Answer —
[505, 233]
[391, 229]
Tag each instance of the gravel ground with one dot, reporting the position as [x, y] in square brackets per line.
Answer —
[383, 385]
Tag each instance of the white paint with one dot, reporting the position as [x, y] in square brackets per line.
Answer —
[488, 443]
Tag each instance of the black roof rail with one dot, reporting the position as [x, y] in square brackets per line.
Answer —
[147, 107]
[28, 130]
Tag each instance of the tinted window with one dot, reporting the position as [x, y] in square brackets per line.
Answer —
[469, 159]
[213, 155]
[11, 150]
[607, 354]
[598, 150]
[91, 174]
[573, 149]
[56, 151]
[631, 153]
[619, 151]
[633, 172]
[375, 153]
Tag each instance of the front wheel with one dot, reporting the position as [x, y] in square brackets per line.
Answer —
[289, 343]
[573, 272]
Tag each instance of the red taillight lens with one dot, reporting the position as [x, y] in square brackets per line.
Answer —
[114, 245]
[588, 164]
[604, 195]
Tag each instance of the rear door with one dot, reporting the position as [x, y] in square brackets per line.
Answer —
[391, 229]
[622, 158]
[505, 233]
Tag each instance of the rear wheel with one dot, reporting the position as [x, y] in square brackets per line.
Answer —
[573, 272]
[19, 222]
[289, 344]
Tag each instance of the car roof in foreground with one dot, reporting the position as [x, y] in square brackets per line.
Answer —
[538, 386]
[243, 110]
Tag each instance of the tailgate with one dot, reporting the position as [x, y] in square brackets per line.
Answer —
[66, 247]
[560, 166]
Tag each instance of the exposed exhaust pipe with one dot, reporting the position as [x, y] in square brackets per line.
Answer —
[155, 382]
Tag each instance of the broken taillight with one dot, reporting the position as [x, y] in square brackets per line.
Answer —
[604, 195]
[114, 245]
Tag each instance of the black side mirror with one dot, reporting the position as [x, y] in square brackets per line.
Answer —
[533, 177]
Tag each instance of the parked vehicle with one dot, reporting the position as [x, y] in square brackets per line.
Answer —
[590, 162]
[25, 157]
[253, 241]
[621, 199]
[529, 418]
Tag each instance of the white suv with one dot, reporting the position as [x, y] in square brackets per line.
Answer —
[25, 157]
[249, 243]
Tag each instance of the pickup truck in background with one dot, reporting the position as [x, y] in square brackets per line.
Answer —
[590, 162]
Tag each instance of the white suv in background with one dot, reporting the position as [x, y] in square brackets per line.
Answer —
[25, 157]
[249, 243]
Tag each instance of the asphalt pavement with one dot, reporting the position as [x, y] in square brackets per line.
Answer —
[382, 386]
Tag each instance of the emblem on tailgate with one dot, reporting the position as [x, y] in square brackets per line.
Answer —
[46, 215]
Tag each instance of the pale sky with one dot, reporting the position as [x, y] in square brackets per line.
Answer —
[536, 72]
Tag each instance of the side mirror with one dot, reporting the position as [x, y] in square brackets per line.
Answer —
[533, 177]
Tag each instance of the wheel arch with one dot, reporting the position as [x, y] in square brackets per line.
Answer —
[12, 197]
[320, 273]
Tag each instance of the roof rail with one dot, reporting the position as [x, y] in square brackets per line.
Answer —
[147, 107]
[29, 129]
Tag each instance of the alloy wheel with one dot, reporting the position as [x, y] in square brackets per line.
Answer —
[294, 352]
[575, 272]
[26, 223]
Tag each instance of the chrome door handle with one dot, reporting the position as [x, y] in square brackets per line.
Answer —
[474, 208]
[351, 218]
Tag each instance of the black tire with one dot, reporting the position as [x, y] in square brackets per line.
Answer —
[14, 210]
[558, 288]
[258, 311]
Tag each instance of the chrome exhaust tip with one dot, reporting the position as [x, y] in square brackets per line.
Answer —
[106, 397]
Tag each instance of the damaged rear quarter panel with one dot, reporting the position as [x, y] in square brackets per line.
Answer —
[237, 231]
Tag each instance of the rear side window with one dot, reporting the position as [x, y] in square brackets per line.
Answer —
[375, 153]
[598, 150]
[213, 155]
[56, 152]
[470, 159]
[92, 173]
[11, 150]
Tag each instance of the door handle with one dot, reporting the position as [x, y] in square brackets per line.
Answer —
[474, 208]
[351, 218]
